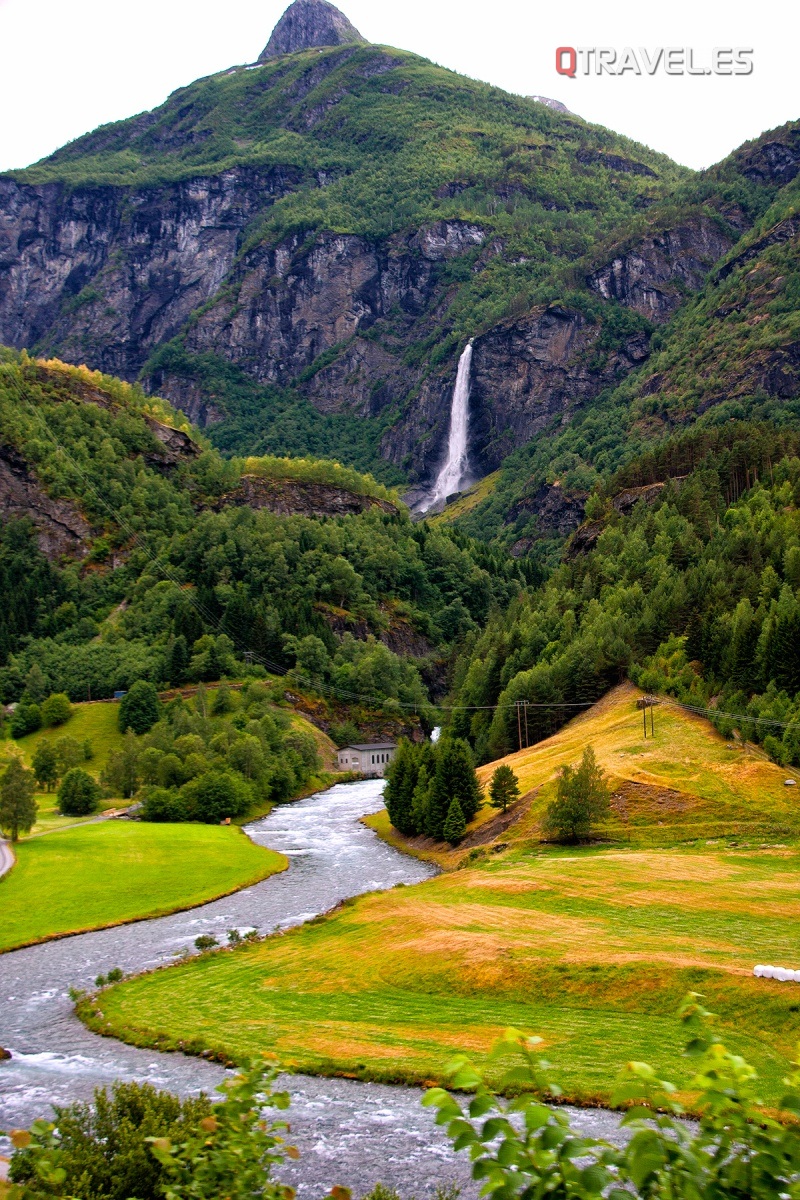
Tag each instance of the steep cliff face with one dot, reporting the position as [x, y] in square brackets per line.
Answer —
[530, 372]
[60, 528]
[654, 276]
[105, 274]
[285, 305]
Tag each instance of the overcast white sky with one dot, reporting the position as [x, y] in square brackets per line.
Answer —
[70, 66]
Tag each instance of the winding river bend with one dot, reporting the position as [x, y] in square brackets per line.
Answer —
[350, 1133]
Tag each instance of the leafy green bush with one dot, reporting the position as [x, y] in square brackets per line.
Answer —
[78, 795]
[56, 710]
[216, 796]
[526, 1147]
[26, 718]
[104, 1148]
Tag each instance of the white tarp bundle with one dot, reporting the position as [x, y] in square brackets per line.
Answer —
[781, 973]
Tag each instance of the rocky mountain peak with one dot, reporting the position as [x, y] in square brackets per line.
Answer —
[308, 23]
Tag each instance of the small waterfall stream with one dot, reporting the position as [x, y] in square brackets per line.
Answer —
[455, 467]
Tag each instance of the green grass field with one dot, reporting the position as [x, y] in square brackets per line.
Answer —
[115, 871]
[592, 948]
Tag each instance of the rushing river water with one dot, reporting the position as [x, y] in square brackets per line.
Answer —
[350, 1133]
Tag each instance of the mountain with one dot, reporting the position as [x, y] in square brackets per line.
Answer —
[294, 252]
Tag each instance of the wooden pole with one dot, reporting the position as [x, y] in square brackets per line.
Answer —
[525, 709]
[519, 724]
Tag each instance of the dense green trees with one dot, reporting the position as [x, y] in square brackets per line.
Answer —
[692, 564]
[424, 780]
[203, 587]
[45, 764]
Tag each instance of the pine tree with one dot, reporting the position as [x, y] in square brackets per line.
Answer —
[504, 788]
[17, 806]
[177, 661]
[420, 801]
[401, 779]
[454, 825]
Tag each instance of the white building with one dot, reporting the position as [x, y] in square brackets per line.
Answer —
[367, 758]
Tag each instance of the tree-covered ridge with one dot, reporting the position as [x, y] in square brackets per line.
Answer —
[179, 580]
[696, 592]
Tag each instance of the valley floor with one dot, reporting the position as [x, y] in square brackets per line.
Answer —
[591, 948]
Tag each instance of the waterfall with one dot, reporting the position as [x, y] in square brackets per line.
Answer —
[454, 469]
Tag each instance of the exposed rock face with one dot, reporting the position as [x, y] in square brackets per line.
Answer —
[654, 276]
[105, 274]
[784, 231]
[525, 374]
[289, 497]
[287, 304]
[529, 372]
[556, 105]
[773, 162]
[557, 513]
[309, 23]
[61, 530]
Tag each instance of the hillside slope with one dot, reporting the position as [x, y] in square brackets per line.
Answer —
[129, 550]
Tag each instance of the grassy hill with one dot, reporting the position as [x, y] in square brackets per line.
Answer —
[687, 783]
[591, 948]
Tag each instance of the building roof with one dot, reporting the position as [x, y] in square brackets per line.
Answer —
[363, 746]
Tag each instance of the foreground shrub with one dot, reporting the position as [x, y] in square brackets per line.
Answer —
[525, 1147]
[103, 1148]
[78, 795]
[149, 1144]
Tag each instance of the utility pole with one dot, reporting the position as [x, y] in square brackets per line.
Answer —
[645, 702]
[525, 710]
[518, 706]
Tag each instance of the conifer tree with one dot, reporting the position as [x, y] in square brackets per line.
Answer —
[504, 787]
[454, 826]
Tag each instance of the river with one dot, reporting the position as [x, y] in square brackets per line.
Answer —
[350, 1133]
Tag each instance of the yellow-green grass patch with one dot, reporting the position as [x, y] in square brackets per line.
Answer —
[469, 500]
[112, 872]
[686, 783]
[592, 950]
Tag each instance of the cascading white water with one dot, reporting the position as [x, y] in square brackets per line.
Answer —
[455, 467]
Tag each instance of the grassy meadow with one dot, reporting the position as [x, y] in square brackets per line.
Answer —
[592, 948]
[104, 874]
